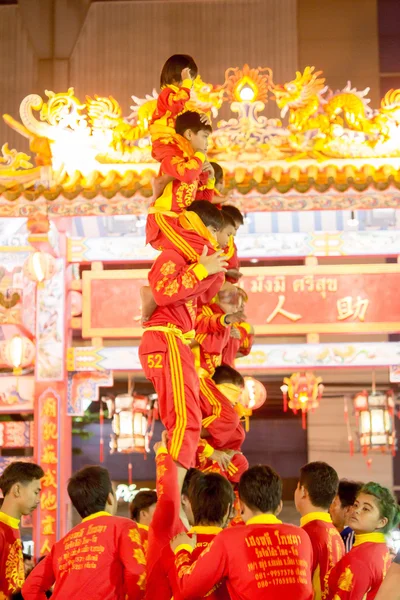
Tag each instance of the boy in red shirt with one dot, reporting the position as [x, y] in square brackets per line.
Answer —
[142, 510]
[233, 274]
[211, 499]
[359, 575]
[183, 159]
[176, 82]
[172, 505]
[102, 558]
[264, 559]
[20, 484]
[225, 432]
[177, 285]
[317, 487]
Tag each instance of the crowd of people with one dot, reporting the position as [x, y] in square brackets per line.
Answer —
[211, 529]
[197, 540]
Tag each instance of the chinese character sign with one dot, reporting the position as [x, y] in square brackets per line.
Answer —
[323, 299]
[48, 455]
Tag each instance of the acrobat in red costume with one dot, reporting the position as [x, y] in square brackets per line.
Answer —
[164, 352]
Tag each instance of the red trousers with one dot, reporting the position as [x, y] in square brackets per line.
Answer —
[168, 363]
[219, 418]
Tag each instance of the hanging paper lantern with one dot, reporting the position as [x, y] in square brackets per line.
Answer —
[254, 393]
[40, 266]
[304, 391]
[133, 423]
[252, 397]
[375, 420]
[17, 352]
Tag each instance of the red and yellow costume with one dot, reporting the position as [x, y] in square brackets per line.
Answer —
[263, 559]
[165, 525]
[328, 549]
[204, 537]
[206, 190]
[238, 465]
[144, 536]
[219, 416]
[361, 571]
[240, 346]
[102, 558]
[170, 103]
[166, 358]
[178, 160]
[11, 561]
[231, 256]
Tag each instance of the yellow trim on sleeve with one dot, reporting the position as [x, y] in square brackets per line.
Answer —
[208, 451]
[200, 271]
[187, 83]
[211, 184]
[161, 450]
[141, 526]
[186, 547]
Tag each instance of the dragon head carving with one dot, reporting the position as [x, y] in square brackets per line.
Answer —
[205, 97]
[299, 92]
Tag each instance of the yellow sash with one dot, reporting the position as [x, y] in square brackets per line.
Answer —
[186, 338]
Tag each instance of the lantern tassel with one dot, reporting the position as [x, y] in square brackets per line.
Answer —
[285, 405]
[101, 457]
[304, 419]
[130, 474]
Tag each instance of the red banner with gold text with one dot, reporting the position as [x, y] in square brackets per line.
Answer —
[287, 300]
[48, 453]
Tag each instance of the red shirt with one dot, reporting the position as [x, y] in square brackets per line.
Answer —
[231, 254]
[240, 346]
[144, 536]
[264, 559]
[177, 283]
[171, 102]
[165, 525]
[102, 558]
[11, 561]
[204, 536]
[212, 335]
[179, 161]
[328, 549]
[359, 574]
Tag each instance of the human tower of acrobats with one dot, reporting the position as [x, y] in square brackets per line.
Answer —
[195, 327]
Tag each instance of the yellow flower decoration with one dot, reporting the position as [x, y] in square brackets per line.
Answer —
[168, 268]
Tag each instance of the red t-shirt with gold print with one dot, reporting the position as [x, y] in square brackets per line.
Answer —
[328, 549]
[11, 561]
[359, 575]
[264, 559]
[102, 558]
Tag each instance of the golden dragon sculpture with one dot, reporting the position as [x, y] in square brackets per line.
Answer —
[336, 118]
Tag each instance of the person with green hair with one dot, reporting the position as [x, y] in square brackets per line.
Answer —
[359, 574]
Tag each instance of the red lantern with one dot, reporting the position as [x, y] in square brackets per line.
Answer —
[304, 391]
